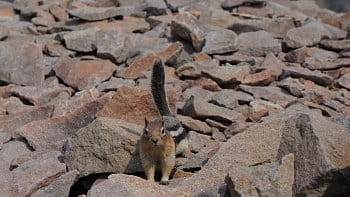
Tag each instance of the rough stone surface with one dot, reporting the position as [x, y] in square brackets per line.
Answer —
[344, 81]
[219, 42]
[113, 151]
[228, 74]
[95, 14]
[300, 72]
[83, 74]
[82, 41]
[195, 125]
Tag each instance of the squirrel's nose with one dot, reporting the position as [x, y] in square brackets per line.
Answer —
[154, 141]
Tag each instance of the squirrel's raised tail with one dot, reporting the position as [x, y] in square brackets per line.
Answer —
[158, 89]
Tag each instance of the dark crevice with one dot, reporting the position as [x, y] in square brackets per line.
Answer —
[83, 184]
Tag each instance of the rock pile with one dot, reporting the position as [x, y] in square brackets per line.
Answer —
[260, 86]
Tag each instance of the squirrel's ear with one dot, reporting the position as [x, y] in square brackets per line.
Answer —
[146, 121]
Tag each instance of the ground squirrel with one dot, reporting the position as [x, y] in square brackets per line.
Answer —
[162, 138]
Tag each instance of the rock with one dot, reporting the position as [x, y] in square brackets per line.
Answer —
[198, 108]
[293, 86]
[271, 179]
[220, 41]
[136, 98]
[218, 136]
[258, 44]
[60, 187]
[43, 19]
[4, 32]
[195, 69]
[230, 4]
[204, 83]
[14, 105]
[300, 72]
[114, 148]
[335, 45]
[187, 27]
[113, 45]
[273, 94]
[33, 174]
[261, 108]
[26, 59]
[10, 151]
[114, 83]
[154, 7]
[52, 133]
[57, 50]
[83, 74]
[96, 14]
[327, 65]
[128, 24]
[302, 54]
[236, 58]
[59, 13]
[11, 123]
[36, 95]
[235, 128]
[228, 74]
[264, 77]
[82, 41]
[195, 125]
[344, 81]
[228, 98]
[205, 95]
[217, 124]
[128, 185]
[197, 141]
[307, 35]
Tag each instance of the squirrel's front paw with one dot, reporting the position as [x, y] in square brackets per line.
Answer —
[164, 182]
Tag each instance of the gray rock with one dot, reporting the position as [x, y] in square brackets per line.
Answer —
[154, 7]
[197, 108]
[195, 69]
[344, 81]
[258, 43]
[335, 45]
[302, 54]
[197, 141]
[218, 136]
[270, 179]
[230, 4]
[293, 86]
[60, 187]
[114, 148]
[300, 72]
[31, 175]
[204, 94]
[326, 65]
[21, 63]
[96, 14]
[228, 98]
[4, 32]
[114, 83]
[228, 74]
[10, 151]
[114, 45]
[194, 125]
[187, 27]
[235, 58]
[220, 41]
[273, 94]
[82, 41]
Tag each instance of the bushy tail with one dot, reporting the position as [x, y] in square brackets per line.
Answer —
[158, 88]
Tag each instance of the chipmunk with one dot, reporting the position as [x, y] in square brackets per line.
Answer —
[162, 138]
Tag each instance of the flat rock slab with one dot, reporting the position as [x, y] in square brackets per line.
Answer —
[258, 44]
[95, 14]
[220, 41]
[83, 74]
[327, 65]
[306, 53]
[344, 81]
[21, 63]
[228, 74]
[300, 72]
[335, 45]
[82, 40]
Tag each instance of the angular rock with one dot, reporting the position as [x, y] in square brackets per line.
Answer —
[197, 141]
[218, 136]
[261, 108]
[258, 44]
[59, 13]
[187, 27]
[154, 7]
[264, 77]
[300, 72]
[293, 86]
[271, 179]
[113, 45]
[344, 81]
[220, 41]
[57, 50]
[195, 69]
[327, 65]
[195, 125]
[11, 123]
[83, 74]
[198, 108]
[4, 32]
[230, 4]
[34, 174]
[114, 148]
[273, 94]
[82, 41]
[229, 98]
[114, 83]
[52, 133]
[335, 45]
[59, 187]
[304, 53]
[96, 14]
[205, 95]
[128, 185]
[236, 58]
[14, 105]
[10, 151]
[21, 63]
[204, 83]
[228, 74]
[140, 100]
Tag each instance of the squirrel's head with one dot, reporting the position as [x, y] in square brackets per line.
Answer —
[155, 132]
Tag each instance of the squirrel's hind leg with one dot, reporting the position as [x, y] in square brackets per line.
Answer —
[167, 166]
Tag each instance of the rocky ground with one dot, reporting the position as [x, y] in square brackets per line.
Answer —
[261, 87]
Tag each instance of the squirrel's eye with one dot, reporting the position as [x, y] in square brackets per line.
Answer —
[162, 130]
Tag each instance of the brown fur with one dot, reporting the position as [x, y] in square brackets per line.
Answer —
[157, 149]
